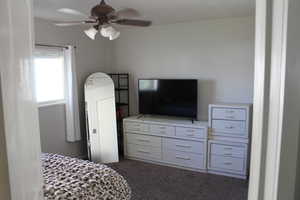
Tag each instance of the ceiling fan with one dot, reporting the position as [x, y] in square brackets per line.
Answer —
[103, 16]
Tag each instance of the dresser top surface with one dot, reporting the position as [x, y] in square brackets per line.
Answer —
[168, 120]
[232, 105]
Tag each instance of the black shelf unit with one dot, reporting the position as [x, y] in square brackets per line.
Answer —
[121, 82]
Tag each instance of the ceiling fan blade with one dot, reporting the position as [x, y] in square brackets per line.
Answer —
[127, 13]
[74, 23]
[72, 12]
[133, 22]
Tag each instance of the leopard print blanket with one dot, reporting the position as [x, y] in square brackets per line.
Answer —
[68, 178]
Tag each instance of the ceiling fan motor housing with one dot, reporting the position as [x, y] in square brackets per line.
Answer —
[103, 15]
[101, 10]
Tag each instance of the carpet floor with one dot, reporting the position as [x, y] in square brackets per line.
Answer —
[155, 182]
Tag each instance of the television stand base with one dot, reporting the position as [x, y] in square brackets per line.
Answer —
[139, 116]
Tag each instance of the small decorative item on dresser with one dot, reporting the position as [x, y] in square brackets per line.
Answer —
[229, 139]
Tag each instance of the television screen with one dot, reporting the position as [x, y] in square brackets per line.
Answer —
[168, 97]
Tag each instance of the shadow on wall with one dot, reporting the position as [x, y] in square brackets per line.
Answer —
[206, 96]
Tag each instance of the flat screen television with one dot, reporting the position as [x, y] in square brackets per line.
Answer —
[172, 97]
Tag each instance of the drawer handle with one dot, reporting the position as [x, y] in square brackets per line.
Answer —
[228, 163]
[183, 146]
[142, 140]
[229, 117]
[182, 158]
[161, 127]
[135, 125]
[229, 127]
[191, 135]
[228, 154]
[229, 111]
[162, 132]
[146, 152]
[190, 131]
[228, 148]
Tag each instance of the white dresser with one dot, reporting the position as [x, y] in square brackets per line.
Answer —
[168, 141]
[229, 139]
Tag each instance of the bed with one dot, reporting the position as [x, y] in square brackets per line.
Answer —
[68, 178]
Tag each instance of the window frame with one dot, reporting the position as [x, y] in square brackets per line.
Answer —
[58, 101]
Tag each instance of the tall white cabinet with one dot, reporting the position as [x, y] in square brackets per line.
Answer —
[229, 139]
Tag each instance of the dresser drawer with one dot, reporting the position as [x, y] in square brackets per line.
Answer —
[229, 113]
[144, 152]
[237, 128]
[162, 130]
[143, 140]
[183, 145]
[191, 133]
[134, 126]
[184, 159]
[227, 150]
[227, 164]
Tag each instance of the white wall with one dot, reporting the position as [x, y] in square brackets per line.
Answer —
[219, 53]
[289, 179]
[91, 56]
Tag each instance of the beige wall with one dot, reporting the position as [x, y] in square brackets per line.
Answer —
[53, 138]
[219, 53]
[290, 156]
[297, 185]
[4, 178]
[91, 56]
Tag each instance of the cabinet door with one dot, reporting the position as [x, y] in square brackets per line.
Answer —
[108, 143]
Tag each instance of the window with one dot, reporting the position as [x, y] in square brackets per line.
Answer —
[50, 75]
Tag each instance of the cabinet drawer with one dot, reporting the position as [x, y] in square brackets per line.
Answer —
[191, 133]
[184, 145]
[162, 130]
[228, 150]
[232, 127]
[229, 113]
[227, 164]
[143, 140]
[144, 152]
[134, 126]
[184, 159]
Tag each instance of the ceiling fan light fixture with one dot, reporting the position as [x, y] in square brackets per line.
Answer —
[91, 32]
[110, 32]
[106, 31]
[115, 35]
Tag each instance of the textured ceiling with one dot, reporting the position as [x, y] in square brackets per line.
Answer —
[159, 11]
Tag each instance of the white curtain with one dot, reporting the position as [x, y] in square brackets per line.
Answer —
[72, 105]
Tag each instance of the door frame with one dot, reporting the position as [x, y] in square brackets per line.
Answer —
[271, 23]
[269, 88]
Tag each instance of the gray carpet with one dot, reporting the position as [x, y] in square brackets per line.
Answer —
[154, 182]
